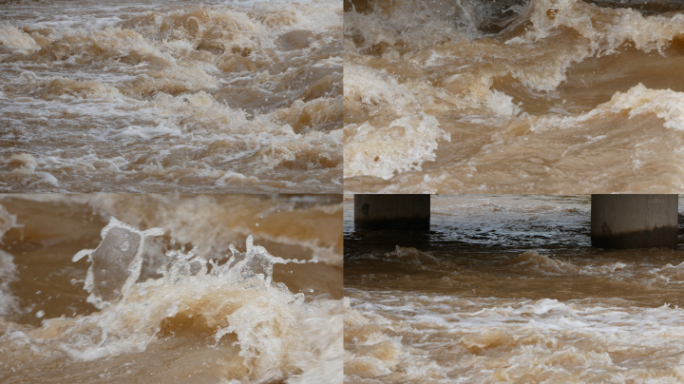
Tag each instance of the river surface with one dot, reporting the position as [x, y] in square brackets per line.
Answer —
[539, 96]
[171, 289]
[171, 96]
[507, 289]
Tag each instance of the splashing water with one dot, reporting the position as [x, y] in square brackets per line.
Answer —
[513, 96]
[256, 329]
[153, 96]
[115, 264]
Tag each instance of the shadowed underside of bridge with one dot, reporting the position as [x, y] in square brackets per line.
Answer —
[617, 221]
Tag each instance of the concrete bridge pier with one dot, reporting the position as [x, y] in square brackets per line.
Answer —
[634, 221]
[376, 212]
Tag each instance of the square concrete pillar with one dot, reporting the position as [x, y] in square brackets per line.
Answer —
[634, 221]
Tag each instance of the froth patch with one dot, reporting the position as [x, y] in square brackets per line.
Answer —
[639, 100]
[366, 90]
[22, 163]
[324, 113]
[8, 270]
[8, 303]
[401, 146]
[11, 36]
[605, 28]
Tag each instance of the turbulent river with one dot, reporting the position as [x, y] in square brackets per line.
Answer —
[507, 289]
[171, 289]
[539, 96]
[173, 96]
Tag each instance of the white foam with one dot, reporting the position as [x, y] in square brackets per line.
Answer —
[638, 101]
[133, 268]
[623, 24]
[11, 36]
[8, 270]
[400, 147]
[136, 74]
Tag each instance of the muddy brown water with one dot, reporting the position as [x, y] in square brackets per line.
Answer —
[507, 289]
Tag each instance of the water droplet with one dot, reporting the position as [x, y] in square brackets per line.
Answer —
[257, 224]
[125, 246]
[40, 314]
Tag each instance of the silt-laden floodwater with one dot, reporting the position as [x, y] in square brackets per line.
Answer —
[514, 96]
[171, 289]
[507, 289]
[171, 96]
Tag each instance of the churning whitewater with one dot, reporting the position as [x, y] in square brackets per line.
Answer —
[541, 96]
[507, 289]
[150, 96]
[177, 289]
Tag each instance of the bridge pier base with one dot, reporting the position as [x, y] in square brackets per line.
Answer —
[634, 221]
[377, 212]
